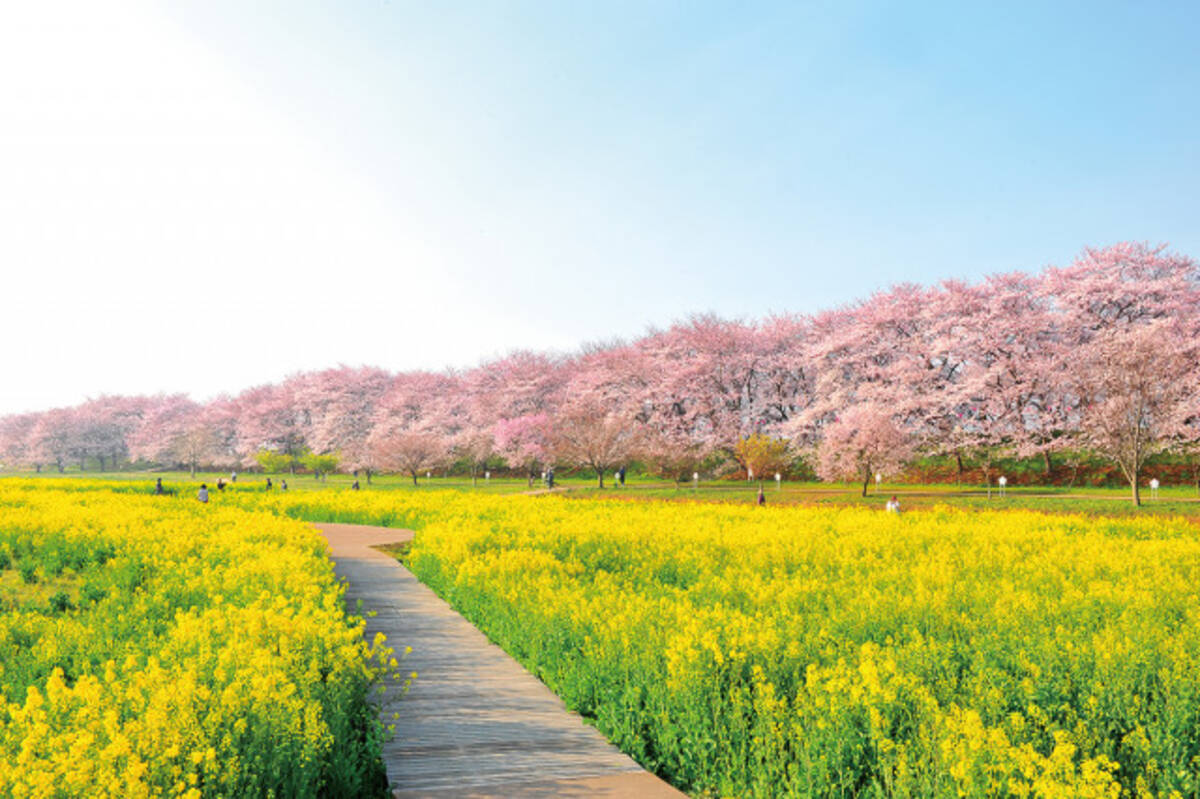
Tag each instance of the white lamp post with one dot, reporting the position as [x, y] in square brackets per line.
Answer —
[1002, 482]
[487, 476]
[1154, 488]
[749, 475]
[695, 480]
[778, 481]
[878, 480]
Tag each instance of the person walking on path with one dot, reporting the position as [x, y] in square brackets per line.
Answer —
[621, 476]
[158, 489]
[202, 494]
[762, 498]
[233, 477]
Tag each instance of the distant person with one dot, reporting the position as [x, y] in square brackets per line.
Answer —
[233, 477]
[762, 498]
[220, 483]
[283, 485]
[893, 505]
[269, 486]
[158, 489]
[550, 477]
[621, 476]
[354, 485]
[202, 494]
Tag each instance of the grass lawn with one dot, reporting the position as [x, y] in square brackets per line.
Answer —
[1181, 500]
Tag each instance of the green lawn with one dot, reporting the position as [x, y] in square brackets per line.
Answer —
[1171, 499]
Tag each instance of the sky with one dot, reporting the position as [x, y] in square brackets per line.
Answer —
[201, 197]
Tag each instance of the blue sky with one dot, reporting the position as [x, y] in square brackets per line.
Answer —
[761, 155]
[427, 184]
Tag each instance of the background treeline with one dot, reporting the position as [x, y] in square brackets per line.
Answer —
[1095, 360]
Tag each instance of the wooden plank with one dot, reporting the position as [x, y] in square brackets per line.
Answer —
[474, 722]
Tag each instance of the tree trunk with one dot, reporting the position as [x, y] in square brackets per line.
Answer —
[866, 481]
[959, 463]
[1137, 496]
[414, 477]
[292, 468]
[1046, 461]
[600, 474]
[102, 460]
[474, 476]
[37, 467]
[193, 470]
[368, 471]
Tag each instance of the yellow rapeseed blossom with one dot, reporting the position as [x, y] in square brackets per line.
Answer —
[787, 651]
[739, 651]
[165, 648]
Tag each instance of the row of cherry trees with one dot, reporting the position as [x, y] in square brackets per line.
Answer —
[1100, 355]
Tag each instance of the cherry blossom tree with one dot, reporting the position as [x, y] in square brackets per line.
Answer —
[408, 452]
[961, 369]
[587, 434]
[524, 441]
[877, 351]
[268, 419]
[520, 384]
[176, 430]
[860, 442]
[673, 456]
[1011, 396]
[1135, 389]
[1188, 442]
[1125, 284]
[341, 406]
[704, 379]
[409, 434]
[55, 438]
[16, 441]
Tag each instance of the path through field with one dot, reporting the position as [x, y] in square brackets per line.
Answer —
[474, 723]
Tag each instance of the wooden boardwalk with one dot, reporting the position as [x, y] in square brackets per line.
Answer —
[474, 723]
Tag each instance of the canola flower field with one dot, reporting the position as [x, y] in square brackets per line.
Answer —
[156, 647]
[788, 651]
[744, 651]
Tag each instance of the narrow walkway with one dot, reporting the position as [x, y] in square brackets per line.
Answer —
[474, 723]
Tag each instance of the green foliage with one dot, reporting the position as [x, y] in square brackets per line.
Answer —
[321, 464]
[60, 602]
[28, 571]
[273, 462]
